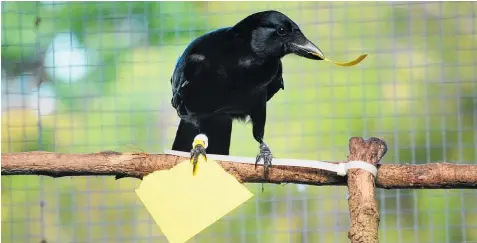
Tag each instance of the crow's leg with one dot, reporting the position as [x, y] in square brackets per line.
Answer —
[258, 117]
[214, 135]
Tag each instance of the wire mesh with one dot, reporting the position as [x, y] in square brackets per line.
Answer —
[93, 76]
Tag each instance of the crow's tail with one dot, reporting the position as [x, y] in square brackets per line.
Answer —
[185, 135]
[217, 129]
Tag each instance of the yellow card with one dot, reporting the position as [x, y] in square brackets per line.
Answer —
[183, 205]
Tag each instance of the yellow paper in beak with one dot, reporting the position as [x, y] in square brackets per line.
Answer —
[350, 63]
[183, 205]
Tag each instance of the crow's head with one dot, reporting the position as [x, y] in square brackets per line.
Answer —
[272, 33]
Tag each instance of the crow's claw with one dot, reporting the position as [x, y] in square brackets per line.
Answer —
[197, 151]
[267, 157]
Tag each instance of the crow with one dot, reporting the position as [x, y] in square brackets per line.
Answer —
[230, 74]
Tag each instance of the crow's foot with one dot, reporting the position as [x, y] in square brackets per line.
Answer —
[198, 149]
[267, 156]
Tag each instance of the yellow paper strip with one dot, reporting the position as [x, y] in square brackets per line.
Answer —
[347, 64]
[350, 63]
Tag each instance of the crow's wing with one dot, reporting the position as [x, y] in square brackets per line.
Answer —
[190, 73]
[179, 87]
[194, 67]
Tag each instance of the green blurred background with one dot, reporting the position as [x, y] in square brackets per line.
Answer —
[103, 71]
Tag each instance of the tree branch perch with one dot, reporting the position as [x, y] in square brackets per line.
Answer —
[137, 165]
[364, 213]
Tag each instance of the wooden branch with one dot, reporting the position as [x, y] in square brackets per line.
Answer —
[137, 165]
[363, 207]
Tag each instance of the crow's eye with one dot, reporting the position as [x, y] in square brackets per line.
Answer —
[281, 31]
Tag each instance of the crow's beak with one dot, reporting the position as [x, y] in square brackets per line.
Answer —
[305, 48]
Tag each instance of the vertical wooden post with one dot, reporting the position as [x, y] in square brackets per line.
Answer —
[362, 205]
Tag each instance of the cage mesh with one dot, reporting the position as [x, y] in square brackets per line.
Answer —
[92, 76]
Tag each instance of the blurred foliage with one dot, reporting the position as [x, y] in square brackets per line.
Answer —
[417, 89]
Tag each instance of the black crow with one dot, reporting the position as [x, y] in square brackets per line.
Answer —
[230, 74]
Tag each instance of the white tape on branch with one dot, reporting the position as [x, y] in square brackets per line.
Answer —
[341, 169]
[356, 164]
